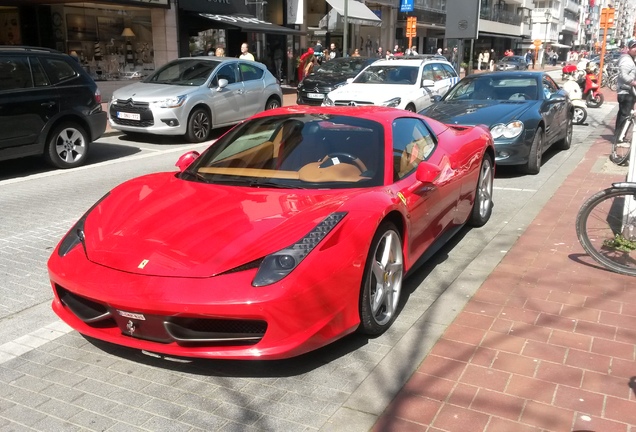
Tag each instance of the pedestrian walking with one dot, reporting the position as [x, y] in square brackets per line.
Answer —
[626, 84]
[245, 53]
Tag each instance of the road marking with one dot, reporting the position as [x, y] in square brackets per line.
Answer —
[514, 189]
[105, 163]
[33, 340]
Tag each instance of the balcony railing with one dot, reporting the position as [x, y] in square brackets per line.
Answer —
[501, 16]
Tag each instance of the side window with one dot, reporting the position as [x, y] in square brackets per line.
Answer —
[413, 142]
[58, 70]
[250, 72]
[15, 73]
[227, 72]
[449, 70]
[427, 72]
[39, 76]
[549, 87]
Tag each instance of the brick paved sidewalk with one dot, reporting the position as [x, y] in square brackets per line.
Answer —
[546, 343]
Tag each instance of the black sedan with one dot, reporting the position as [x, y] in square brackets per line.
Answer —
[526, 112]
[511, 63]
[329, 76]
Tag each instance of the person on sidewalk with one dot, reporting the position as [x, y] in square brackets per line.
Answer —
[245, 54]
[626, 84]
[480, 60]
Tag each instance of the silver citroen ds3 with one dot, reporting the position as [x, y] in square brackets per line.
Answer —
[191, 96]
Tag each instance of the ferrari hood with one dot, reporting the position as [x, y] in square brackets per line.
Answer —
[149, 92]
[376, 93]
[477, 112]
[164, 226]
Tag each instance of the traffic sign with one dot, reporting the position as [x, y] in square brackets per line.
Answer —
[411, 27]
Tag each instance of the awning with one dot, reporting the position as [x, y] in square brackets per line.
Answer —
[559, 45]
[357, 12]
[249, 23]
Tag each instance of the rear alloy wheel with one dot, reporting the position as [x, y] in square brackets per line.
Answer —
[566, 142]
[272, 103]
[482, 207]
[199, 126]
[536, 153]
[68, 146]
[382, 281]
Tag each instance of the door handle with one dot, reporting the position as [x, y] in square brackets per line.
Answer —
[240, 91]
[48, 104]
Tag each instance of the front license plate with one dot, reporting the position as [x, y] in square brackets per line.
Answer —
[315, 96]
[128, 116]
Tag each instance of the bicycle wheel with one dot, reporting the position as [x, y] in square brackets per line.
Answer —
[622, 143]
[602, 232]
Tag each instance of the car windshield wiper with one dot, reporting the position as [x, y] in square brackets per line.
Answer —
[268, 184]
[196, 175]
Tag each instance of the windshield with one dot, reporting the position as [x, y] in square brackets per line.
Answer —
[385, 74]
[189, 72]
[296, 151]
[347, 65]
[494, 87]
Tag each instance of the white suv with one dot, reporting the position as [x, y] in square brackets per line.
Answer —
[407, 83]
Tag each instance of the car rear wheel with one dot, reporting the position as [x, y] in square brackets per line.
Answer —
[536, 153]
[482, 207]
[272, 103]
[382, 281]
[566, 141]
[199, 126]
[68, 146]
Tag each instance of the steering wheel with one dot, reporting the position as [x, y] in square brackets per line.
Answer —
[345, 158]
[518, 96]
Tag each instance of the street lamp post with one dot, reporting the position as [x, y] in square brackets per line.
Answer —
[548, 17]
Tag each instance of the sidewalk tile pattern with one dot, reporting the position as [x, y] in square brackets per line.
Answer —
[547, 343]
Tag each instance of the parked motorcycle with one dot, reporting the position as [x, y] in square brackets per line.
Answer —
[591, 88]
[568, 71]
[576, 96]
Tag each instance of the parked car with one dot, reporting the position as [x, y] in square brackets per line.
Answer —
[329, 76]
[190, 96]
[527, 113]
[401, 82]
[292, 230]
[48, 106]
[511, 63]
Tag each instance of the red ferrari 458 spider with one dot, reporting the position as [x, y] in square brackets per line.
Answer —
[294, 229]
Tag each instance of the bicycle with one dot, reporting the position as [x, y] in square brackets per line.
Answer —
[606, 227]
[622, 143]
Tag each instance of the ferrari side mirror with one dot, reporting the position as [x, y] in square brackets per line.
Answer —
[185, 160]
[427, 172]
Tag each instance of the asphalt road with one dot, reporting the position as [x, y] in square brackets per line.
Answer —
[52, 378]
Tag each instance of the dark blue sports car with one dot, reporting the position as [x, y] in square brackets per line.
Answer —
[526, 112]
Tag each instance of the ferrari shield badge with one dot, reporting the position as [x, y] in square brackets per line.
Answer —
[401, 197]
[143, 264]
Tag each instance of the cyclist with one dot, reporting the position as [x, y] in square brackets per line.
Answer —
[626, 82]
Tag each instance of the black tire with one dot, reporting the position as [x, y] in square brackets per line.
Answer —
[410, 107]
[613, 84]
[272, 103]
[566, 142]
[600, 230]
[199, 126]
[579, 116]
[375, 320]
[536, 153]
[594, 101]
[482, 206]
[67, 146]
[621, 144]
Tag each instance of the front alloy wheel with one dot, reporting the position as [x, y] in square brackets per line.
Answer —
[382, 281]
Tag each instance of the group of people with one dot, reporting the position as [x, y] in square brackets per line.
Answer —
[220, 52]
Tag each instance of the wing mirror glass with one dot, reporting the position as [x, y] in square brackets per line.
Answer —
[186, 160]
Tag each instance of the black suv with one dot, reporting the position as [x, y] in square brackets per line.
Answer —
[48, 106]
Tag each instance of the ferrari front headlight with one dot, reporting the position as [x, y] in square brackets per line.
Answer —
[75, 235]
[392, 102]
[279, 264]
[171, 102]
[510, 130]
